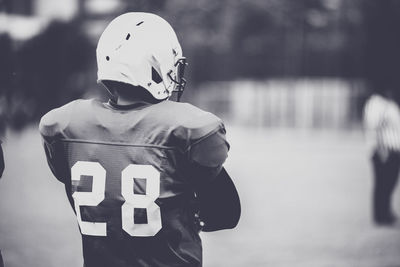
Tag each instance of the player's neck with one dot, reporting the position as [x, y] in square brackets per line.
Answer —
[129, 99]
[122, 103]
[122, 94]
[126, 102]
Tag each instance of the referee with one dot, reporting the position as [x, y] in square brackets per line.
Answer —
[382, 125]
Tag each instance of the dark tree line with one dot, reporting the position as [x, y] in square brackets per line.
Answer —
[43, 72]
[382, 44]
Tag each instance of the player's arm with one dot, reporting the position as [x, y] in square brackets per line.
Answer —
[51, 127]
[56, 159]
[1, 161]
[219, 203]
[217, 196]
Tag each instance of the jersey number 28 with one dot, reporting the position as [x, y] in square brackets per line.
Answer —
[132, 200]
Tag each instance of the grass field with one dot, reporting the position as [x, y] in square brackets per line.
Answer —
[305, 202]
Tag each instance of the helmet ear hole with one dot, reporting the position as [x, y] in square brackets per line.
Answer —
[155, 76]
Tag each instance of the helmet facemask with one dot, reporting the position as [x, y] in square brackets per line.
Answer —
[177, 77]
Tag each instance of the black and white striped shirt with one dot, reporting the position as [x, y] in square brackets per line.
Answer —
[382, 124]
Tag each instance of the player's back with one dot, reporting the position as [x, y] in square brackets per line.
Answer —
[127, 176]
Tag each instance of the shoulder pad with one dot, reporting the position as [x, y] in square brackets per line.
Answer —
[56, 120]
[195, 124]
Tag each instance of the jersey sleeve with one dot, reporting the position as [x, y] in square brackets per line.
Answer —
[52, 129]
[204, 145]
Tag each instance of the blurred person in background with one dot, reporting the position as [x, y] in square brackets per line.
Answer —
[2, 165]
[1, 160]
[143, 174]
[1, 174]
[382, 126]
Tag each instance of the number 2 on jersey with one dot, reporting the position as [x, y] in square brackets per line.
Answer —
[132, 200]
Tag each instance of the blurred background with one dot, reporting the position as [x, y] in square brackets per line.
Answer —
[289, 78]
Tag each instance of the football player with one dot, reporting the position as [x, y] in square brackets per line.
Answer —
[144, 174]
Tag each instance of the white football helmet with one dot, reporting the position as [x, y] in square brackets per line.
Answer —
[142, 49]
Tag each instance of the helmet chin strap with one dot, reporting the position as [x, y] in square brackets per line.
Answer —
[111, 95]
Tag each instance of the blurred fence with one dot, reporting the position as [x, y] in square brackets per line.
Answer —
[300, 103]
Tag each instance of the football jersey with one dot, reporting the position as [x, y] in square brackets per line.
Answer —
[131, 174]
